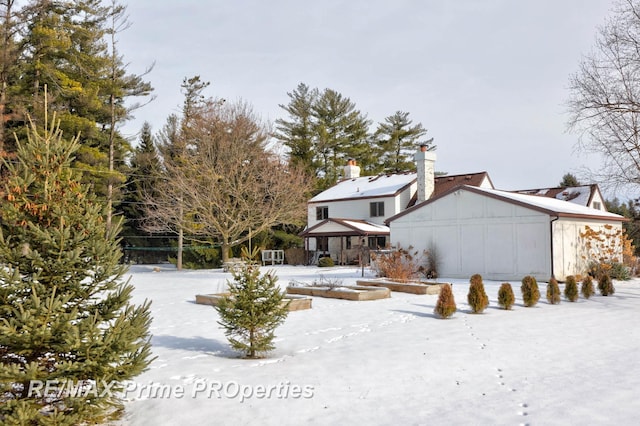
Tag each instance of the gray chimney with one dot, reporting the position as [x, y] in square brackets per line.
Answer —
[351, 170]
[426, 175]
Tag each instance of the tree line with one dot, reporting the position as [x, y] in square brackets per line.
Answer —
[208, 177]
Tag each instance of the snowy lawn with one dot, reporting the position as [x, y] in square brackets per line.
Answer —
[390, 361]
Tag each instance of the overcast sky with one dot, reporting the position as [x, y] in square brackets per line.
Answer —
[487, 78]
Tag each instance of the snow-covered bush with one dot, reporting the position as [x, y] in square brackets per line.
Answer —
[553, 291]
[325, 262]
[506, 298]
[530, 292]
[477, 297]
[571, 289]
[446, 304]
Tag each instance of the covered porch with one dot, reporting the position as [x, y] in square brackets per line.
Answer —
[346, 241]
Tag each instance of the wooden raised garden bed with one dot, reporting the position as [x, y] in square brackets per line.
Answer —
[342, 292]
[296, 303]
[408, 287]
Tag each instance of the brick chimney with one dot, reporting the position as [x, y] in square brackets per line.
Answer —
[351, 170]
[426, 174]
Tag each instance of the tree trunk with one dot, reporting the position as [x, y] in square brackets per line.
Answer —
[225, 251]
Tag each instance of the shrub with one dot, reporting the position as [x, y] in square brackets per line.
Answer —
[530, 292]
[446, 304]
[605, 285]
[252, 311]
[399, 265]
[619, 271]
[506, 298]
[587, 289]
[325, 262]
[477, 297]
[571, 289]
[553, 291]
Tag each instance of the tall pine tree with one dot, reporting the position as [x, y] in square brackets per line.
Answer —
[65, 311]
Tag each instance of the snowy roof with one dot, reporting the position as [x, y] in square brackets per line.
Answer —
[576, 194]
[366, 186]
[346, 227]
[551, 205]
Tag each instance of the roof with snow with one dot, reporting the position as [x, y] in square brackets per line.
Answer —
[392, 184]
[582, 194]
[366, 187]
[551, 206]
[333, 226]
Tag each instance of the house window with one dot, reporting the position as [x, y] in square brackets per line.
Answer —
[322, 243]
[322, 213]
[597, 205]
[377, 242]
[348, 243]
[377, 209]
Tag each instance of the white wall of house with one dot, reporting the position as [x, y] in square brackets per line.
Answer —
[570, 256]
[475, 234]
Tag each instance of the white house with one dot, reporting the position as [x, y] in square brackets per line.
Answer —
[499, 234]
[350, 216]
[584, 195]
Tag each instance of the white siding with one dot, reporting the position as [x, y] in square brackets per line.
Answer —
[473, 233]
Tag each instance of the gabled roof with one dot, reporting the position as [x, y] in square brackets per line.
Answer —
[550, 206]
[391, 185]
[345, 227]
[582, 194]
[445, 183]
[366, 187]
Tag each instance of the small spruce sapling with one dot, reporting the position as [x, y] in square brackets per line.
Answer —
[477, 297]
[587, 288]
[446, 304]
[571, 289]
[530, 292]
[252, 311]
[553, 291]
[605, 285]
[506, 298]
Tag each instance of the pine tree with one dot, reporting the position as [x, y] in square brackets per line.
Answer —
[571, 289]
[397, 140]
[530, 292]
[477, 297]
[553, 291]
[506, 298]
[252, 312]
[65, 310]
[446, 304]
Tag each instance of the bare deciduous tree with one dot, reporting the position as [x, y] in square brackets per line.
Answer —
[604, 105]
[228, 183]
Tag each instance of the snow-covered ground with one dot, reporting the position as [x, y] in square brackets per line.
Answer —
[390, 361]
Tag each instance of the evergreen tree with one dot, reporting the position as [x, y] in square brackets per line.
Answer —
[297, 133]
[477, 297]
[605, 284]
[65, 311]
[530, 291]
[553, 291]
[253, 311]
[446, 304]
[397, 140]
[342, 133]
[569, 180]
[587, 288]
[571, 289]
[506, 298]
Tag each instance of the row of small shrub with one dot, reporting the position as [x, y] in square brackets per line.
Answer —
[478, 300]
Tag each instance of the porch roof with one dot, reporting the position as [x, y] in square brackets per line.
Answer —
[333, 227]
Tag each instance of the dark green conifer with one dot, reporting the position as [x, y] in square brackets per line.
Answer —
[64, 309]
[587, 289]
[605, 285]
[253, 311]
